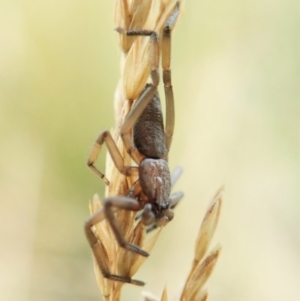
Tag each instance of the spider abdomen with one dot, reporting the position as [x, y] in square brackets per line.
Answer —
[148, 132]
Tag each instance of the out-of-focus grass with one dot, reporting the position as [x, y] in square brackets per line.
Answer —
[235, 73]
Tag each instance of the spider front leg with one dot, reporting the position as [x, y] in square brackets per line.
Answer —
[132, 118]
[125, 203]
[144, 99]
[111, 205]
[115, 155]
[166, 66]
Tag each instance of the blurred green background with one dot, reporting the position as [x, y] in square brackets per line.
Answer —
[236, 80]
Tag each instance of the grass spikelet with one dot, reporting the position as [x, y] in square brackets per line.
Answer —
[199, 276]
[208, 226]
[130, 15]
[201, 271]
[164, 296]
[134, 67]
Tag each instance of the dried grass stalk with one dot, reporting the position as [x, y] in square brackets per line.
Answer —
[129, 14]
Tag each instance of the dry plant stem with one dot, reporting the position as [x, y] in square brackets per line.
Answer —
[134, 74]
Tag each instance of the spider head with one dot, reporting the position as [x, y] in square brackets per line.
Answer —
[158, 217]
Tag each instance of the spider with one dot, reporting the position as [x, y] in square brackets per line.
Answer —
[149, 149]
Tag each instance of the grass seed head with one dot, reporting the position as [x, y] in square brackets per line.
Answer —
[135, 69]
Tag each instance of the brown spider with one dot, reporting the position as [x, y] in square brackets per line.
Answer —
[151, 143]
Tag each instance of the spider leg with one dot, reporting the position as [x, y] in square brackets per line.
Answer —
[166, 66]
[131, 119]
[115, 155]
[135, 189]
[125, 203]
[145, 97]
[177, 196]
[100, 252]
[177, 172]
[174, 200]
[154, 49]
